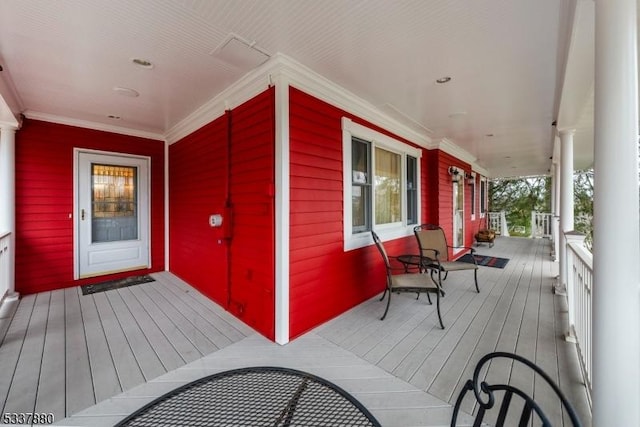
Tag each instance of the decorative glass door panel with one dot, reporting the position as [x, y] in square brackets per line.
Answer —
[114, 203]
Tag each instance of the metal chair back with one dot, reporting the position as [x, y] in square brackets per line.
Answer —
[508, 411]
[432, 242]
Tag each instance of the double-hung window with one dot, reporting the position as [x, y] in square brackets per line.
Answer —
[381, 185]
[473, 195]
[483, 197]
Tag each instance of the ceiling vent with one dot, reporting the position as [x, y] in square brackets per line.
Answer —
[240, 53]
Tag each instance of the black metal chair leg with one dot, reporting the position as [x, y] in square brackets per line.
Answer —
[387, 308]
[438, 309]
[475, 277]
[383, 294]
[429, 298]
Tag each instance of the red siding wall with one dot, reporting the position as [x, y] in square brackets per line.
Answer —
[324, 280]
[198, 187]
[197, 180]
[441, 162]
[252, 195]
[44, 201]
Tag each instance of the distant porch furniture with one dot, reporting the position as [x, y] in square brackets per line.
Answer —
[485, 234]
[433, 246]
[510, 405]
[404, 281]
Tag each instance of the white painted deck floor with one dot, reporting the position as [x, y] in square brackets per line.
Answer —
[95, 359]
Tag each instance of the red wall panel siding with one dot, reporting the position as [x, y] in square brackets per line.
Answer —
[197, 188]
[430, 187]
[445, 196]
[252, 196]
[239, 273]
[324, 280]
[44, 201]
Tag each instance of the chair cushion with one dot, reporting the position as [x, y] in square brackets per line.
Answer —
[455, 266]
[412, 281]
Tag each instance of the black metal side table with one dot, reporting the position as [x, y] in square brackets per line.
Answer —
[257, 396]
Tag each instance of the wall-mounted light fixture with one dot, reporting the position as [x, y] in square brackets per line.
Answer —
[455, 174]
[470, 178]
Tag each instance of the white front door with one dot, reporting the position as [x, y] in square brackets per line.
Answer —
[112, 213]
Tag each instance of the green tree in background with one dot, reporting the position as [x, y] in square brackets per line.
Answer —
[583, 203]
[517, 198]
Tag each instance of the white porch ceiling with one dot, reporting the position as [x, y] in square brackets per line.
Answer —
[506, 59]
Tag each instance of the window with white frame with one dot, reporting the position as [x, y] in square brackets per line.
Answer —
[381, 185]
[483, 197]
[472, 184]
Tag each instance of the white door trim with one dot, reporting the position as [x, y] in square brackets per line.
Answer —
[76, 201]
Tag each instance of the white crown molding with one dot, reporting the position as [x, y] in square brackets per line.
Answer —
[480, 170]
[288, 71]
[285, 71]
[459, 153]
[45, 117]
[307, 80]
[249, 86]
[450, 148]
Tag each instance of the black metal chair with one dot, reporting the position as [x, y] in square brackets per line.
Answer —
[485, 395]
[407, 282]
[434, 248]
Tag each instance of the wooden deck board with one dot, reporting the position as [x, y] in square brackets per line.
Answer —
[85, 345]
[157, 345]
[22, 395]
[179, 318]
[79, 385]
[487, 342]
[146, 357]
[12, 346]
[51, 397]
[124, 361]
[163, 328]
[220, 318]
[105, 379]
[207, 327]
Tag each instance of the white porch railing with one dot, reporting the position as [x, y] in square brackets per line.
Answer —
[498, 221]
[541, 224]
[5, 259]
[580, 283]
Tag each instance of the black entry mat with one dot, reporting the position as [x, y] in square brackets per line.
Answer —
[115, 284]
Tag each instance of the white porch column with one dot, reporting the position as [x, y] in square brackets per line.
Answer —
[555, 210]
[616, 263]
[566, 210]
[8, 197]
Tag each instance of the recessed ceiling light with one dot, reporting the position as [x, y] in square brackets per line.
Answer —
[142, 63]
[445, 79]
[114, 117]
[126, 91]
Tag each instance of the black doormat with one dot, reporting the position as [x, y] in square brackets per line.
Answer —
[485, 260]
[115, 284]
